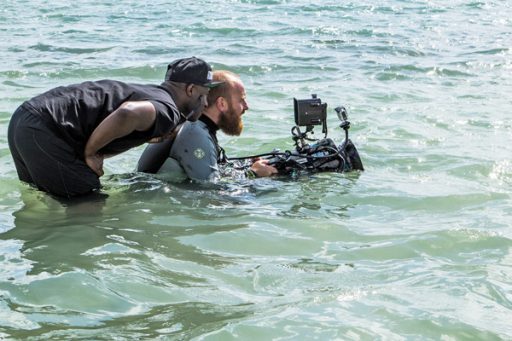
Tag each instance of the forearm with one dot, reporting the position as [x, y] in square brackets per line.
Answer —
[129, 117]
[111, 128]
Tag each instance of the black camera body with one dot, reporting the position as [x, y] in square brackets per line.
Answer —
[323, 154]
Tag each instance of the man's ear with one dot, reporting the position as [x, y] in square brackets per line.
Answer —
[222, 104]
[188, 89]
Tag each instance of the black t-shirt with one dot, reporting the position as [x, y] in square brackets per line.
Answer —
[74, 111]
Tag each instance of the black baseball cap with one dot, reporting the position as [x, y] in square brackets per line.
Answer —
[191, 70]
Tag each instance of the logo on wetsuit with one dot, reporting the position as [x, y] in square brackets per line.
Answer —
[199, 153]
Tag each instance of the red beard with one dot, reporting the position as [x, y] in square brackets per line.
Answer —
[230, 123]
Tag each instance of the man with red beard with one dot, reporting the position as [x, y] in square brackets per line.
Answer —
[195, 150]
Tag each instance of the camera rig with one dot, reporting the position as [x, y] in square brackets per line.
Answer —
[321, 154]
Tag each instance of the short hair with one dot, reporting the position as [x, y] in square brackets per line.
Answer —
[228, 79]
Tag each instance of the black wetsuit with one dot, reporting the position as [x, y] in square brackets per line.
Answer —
[48, 133]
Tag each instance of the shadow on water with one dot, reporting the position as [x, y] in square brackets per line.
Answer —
[118, 251]
[319, 194]
[119, 261]
[48, 236]
[135, 213]
[95, 259]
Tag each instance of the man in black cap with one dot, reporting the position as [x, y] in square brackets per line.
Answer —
[59, 139]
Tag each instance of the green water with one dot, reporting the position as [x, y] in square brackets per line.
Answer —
[416, 247]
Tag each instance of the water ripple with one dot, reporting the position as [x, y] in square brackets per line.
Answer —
[417, 246]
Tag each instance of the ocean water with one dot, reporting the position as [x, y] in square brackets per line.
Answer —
[418, 246]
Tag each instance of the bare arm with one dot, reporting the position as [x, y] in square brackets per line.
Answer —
[129, 117]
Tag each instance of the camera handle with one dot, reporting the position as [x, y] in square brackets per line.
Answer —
[345, 124]
[299, 137]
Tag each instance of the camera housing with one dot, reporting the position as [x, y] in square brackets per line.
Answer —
[310, 112]
[321, 155]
